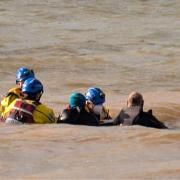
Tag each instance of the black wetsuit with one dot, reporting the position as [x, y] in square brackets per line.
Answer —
[72, 116]
[135, 116]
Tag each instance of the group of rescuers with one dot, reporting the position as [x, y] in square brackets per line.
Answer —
[22, 105]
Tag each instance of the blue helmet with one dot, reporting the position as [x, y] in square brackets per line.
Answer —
[95, 95]
[32, 86]
[24, 73]
[77, 100]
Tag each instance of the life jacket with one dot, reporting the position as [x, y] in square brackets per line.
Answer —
[12, 94]
[16, 91]
[22, 111]
[43, 114]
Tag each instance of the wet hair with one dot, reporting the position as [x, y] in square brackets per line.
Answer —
[135, 99]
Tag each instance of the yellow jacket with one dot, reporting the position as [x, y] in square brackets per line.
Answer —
[12, 94]
[41, 114]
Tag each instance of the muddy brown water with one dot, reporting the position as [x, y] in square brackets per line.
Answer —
[117, 45]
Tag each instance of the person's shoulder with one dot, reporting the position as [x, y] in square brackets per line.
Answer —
[43, 108]
[69, 115]
[70, 112]
[14, 91]
[147, 114]
[14, 88]
[11, 95]
[43, 114]
[151, 120]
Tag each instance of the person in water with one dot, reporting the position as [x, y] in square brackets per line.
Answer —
[133, 114]
[77, 113]
[95, 99]
[22, 74]
[29, 108]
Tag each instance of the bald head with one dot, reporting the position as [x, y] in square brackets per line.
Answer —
[135, 99]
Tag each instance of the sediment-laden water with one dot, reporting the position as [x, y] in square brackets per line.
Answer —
[117, 45]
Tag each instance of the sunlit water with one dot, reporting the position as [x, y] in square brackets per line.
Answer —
[117, 45]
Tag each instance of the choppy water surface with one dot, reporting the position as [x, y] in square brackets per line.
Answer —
[118, 45]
